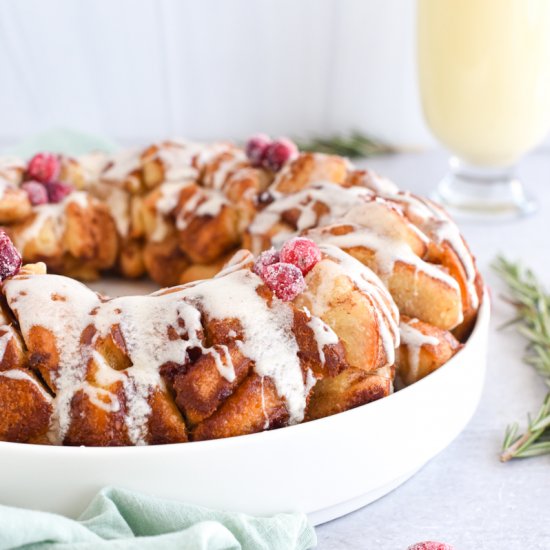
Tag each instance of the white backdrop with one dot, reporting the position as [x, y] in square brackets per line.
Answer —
[143, 69]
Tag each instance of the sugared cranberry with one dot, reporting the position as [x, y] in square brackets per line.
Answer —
[57, 191]
[285, 280]
[43, 167]
[268, 257]
[430, 545]
[10, 259]
[256, 148]
[301, 252]
[36, 191]
[279, 153]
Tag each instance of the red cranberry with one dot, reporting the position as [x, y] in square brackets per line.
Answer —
[266, 258]
[43, 167]
[10, 259]
[430, 545]
[301, 252]
[256, 148]
[285, 280]
[36, 191]
[57, 191]
[279, 153]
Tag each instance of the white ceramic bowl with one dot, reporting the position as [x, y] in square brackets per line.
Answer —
[325, 468]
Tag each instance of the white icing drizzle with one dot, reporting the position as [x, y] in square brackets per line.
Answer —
[122, 164]
[65, 319]
[118, 202]
[268, 338]
[223, 361]
[76, 197]
[439, 226]
[145, 322]
[4, 186]
[372, 287]
[383, 217]
[49, 213]
[337, 198]
[379, 184]
[436, 223]
[92, 164]
[414, 339]
[5, 340]
[226, 167]
[310, 381]
[264, 410]
[212, 206]
[177, 160]
[182, 163]
[65, 308]
[205, 202]
[183, 160]
[42, 214]
[166, 203]
[387, 251]
[101, 398]
[18, 374]
[324, 335]
[11, 169]
[104, 374]
[169, 195]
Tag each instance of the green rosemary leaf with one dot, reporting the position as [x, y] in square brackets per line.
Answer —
[510, 435]
[354, 145]
[535, 449]
[533, 322]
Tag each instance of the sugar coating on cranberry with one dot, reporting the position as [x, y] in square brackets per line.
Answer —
[36, 192]
[285, 280]
[279, 153]
[43, 167]
[430, 545]
[266, 258]
[256, 148]
[301, 252]
[10, 259]
[57, 191]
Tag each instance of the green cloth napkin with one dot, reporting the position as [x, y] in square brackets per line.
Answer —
[120, 519]
[62, 140]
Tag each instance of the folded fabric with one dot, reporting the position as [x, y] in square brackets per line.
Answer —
[62, 140]
[120, 519]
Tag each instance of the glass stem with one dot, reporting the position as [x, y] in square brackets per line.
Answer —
[483, 193]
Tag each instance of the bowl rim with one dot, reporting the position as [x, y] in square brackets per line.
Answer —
[198, 446]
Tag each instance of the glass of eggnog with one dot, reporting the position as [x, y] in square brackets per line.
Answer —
[484, 75]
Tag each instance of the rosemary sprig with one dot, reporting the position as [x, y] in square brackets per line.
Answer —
[533, 318]
[354, 145]
[535, 441]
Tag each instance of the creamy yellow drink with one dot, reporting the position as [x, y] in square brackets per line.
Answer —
[484, 71]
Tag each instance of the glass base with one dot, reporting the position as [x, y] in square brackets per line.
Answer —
[483, 194]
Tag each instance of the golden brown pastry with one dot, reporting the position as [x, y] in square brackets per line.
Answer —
[227, 356]
[365, 283]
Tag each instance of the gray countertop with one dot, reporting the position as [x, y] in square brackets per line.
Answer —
[465, 496]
